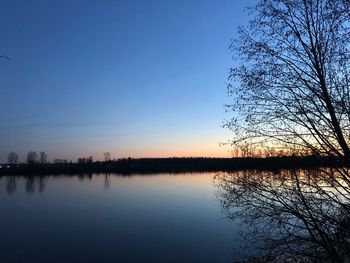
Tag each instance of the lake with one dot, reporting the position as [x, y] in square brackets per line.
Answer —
[114, 218]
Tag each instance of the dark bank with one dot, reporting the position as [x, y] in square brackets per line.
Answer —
[172, 165]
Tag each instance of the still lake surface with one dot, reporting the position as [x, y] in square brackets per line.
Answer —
[98, 218]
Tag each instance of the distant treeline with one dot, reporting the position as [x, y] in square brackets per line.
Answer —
[176, 165]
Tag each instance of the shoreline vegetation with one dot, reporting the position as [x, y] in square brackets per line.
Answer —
[172, 165]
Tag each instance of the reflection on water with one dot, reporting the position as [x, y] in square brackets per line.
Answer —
[107, 181]
[37, 183]
[204, 217]
[292, 214]
[11, 184]
[113, 218]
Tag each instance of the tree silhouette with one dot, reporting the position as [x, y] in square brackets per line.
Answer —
[12, 158]
[43, 157]
[32, 157]
[107, 156]
[291, 87]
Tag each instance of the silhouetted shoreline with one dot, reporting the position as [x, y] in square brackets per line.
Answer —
[173, 165]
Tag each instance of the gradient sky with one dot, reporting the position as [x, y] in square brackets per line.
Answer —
[135, 78]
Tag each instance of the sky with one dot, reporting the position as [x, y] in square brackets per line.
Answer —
[133, 78]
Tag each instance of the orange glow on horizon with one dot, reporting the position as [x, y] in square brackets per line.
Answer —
[208, 151]
[195, 151]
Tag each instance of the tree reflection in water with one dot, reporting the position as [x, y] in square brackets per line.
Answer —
[35, 182]
[107, 183]
[11, 184]
[302, 215]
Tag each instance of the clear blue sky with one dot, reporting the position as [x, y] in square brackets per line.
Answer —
[135, 78]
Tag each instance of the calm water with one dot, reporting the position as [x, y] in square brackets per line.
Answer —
[140, 218]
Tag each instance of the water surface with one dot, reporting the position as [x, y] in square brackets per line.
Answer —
[113, 218]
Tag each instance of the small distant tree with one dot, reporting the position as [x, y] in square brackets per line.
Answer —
[32, 157]
[85, 160]
[107, 156]
[43, 157]
[12, 158]
[81, 160]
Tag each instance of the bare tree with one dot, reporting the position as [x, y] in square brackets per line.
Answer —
[107, 156]
[291, 87]
[43, 157]
[81, 160]
[85, 160]
[32, 157]
[12, 158]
